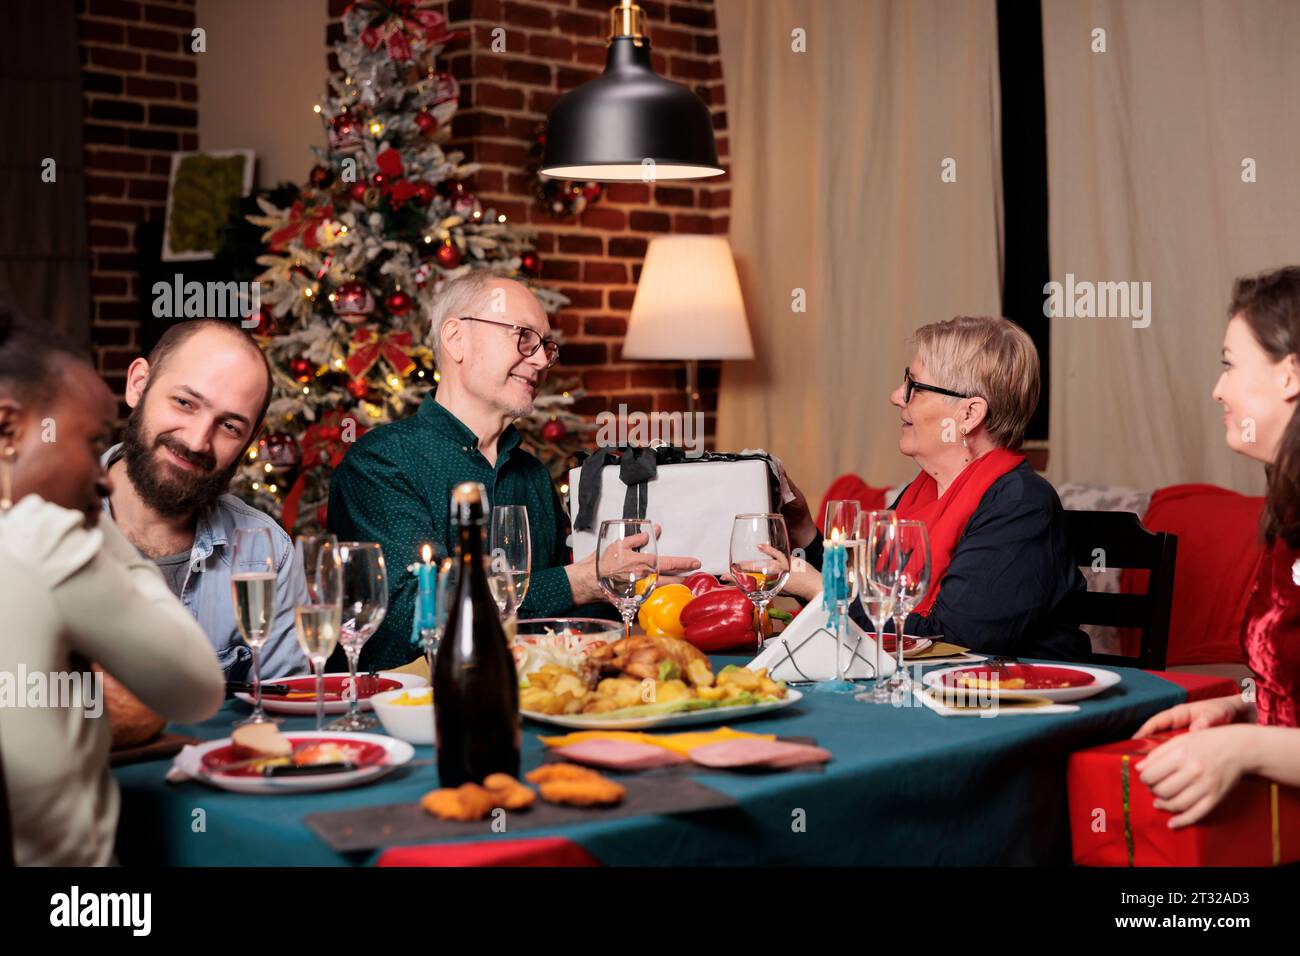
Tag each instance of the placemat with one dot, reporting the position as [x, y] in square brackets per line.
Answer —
[376, 827]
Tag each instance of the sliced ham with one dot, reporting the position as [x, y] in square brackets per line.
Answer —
[618, 755]
[776, 754]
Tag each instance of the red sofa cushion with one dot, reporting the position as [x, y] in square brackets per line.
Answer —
[850, 488]
[1218, 555]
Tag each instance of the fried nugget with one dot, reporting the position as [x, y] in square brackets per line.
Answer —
[597, 791]
[559, 771]
[466, 802]
[508, 792]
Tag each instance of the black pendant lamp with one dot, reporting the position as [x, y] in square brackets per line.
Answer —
[607, 129]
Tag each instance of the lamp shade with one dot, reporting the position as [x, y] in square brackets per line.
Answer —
[688, 303]
[610, 127]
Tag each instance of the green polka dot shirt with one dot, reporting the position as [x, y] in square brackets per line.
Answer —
[394, 487]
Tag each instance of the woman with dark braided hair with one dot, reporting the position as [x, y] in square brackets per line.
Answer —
[1260, 733]
[75, 591]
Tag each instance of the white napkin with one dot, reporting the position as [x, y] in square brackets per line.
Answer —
[943, 710]
[805, 651]
[185, 765]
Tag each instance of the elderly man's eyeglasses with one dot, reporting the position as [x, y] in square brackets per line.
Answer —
[529, 341]
[911, 385]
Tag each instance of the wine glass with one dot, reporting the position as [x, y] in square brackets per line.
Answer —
[252, 588]
[878, 585]
[365, 602]
[317, 622]
[627, 555]
[842, 516]
[432, 628]
[510, 545]
[759, 560]
[913, 582]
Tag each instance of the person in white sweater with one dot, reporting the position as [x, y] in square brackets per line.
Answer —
[74, 591]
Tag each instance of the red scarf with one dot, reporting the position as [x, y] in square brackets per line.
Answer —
[946, 518]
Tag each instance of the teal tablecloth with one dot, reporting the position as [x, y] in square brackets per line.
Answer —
[906, 787]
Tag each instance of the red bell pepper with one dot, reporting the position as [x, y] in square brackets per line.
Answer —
[701, 582]
[719, 619]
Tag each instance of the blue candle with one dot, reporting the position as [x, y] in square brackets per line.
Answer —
[426, 604]
[835, 582]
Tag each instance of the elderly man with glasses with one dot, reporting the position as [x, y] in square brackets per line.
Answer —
[491, 339]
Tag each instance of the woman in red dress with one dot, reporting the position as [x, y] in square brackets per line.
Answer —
[1250, 733]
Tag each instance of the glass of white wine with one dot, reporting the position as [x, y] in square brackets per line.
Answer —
[252, 588]
[510, 545]
[760, 560]
[365, 605]
[318, 622]
[627, 564]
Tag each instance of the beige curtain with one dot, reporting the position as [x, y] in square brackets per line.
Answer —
[837, 191]
[1146, 144]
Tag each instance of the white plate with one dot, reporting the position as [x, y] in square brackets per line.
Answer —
[398, 753]
[1102, 680]
[710, 715]
[273, 705]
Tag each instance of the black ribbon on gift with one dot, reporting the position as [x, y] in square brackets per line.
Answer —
[636, 467]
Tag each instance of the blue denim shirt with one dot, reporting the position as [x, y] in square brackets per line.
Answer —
[207, 594]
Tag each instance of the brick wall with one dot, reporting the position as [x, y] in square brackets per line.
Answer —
[139, 96]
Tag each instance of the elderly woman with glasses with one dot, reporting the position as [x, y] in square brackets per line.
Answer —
[1001, 565]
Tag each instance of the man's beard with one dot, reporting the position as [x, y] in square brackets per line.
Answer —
[171, 495]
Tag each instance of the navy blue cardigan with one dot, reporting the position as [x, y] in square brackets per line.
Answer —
[1007, 579]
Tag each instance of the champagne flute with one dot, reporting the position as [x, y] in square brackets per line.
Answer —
[842, 516]
[431, 632]
[510, 545]
[365, 602]
[878, 585]
[318, 621]
[627, 555]
[913, 582]
[759, 559]
[252, 588]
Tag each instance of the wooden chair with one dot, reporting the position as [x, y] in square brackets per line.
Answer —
[1118, 540]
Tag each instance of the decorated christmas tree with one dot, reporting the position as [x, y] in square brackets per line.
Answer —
[356, 260]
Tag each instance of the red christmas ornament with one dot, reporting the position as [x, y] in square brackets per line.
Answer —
[358, 388]
[265, 321]
[448, 255]
[357, 192]
[427, 122]
[346, 135]
[321, 177]
[554, 430]
[465, 203]
[353, 302]
[301, 369]
[530, 263]
[399, 303]
[591, 191]
[378, 179]
[424, 193]
[280, 451]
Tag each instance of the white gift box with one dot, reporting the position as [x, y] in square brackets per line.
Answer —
[695, 503]
[805, 651]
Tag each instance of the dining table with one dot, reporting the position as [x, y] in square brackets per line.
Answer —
[904, 787]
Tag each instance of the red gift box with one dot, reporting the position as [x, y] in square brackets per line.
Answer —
[1113, 820]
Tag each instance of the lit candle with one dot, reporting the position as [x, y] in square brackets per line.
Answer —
[426, 605]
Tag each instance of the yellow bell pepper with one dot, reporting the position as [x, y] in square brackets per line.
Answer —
[661, 614]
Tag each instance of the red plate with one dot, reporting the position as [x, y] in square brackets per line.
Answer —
[890, 643]
[306, 686]
[361, 753]
[1036, 676]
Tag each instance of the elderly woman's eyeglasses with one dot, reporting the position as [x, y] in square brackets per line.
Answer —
[911, 385]
[529, 341]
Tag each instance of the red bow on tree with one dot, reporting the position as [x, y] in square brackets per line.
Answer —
[367, 345]
[302, 222]
[399, 23]
[323, 443]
